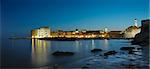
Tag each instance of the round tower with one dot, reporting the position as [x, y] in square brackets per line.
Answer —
[135, 22]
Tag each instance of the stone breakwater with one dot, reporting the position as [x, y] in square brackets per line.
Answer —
[142, 38]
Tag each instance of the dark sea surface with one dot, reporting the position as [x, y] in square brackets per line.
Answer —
[34, 53]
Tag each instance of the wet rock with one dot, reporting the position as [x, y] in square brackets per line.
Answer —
[58, 53]
[131, 60]
[118, 57]
[55, 66]
[127, 48]
[110, 53]
[130, 66]
[142, 38]
[130, 52]
[84, 67]
[87, 64]
[105, 57]
[122, 52]
[96, 50]
[138, 54]
[140, 66]
[136, 51]
[139, 48]
[100, 55]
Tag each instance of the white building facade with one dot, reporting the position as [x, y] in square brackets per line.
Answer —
[41, 32]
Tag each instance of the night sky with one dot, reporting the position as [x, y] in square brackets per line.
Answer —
[20, 16]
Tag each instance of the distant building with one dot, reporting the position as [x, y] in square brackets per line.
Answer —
[77, 31]
[80, 34]
[131, 31]
[41, 32]
[115, 34]
[105, 30]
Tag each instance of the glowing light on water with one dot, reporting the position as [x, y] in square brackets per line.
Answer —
[77, 45]
[93, 44]
[39, 52]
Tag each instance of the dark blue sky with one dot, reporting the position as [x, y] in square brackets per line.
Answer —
[20, 16]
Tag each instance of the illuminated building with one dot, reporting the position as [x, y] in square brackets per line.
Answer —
[105, 30]
[79, 34]
[44, 32]
[115, 34]
[41, 32]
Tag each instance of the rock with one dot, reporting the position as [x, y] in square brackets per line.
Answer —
[131, 60]
[130, 66]
[139, 48]
[87, 64]
[138, 54]
[130, 52]
[127, 48]
[62, 53]
[55, 66]
[96, 50]
[142, 38]
[131, 31]
[110, 53]
[85, 67]
[100, 55]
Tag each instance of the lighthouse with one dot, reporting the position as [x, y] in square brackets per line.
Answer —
[135, 22]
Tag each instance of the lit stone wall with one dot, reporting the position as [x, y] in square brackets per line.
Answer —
[131, 32]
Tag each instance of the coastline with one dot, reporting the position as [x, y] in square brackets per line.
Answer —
[67, 39]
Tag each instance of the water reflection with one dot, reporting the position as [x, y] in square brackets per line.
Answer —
[40, 52]
[93, 44]
[105, 44]
[77, 46]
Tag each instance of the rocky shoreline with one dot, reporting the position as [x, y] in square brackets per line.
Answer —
[115, 60]
[129, 57]
[142, 38]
